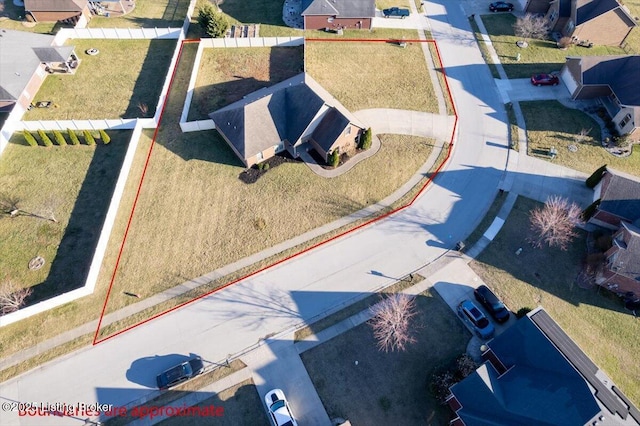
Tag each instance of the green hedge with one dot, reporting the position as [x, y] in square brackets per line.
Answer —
[60, 140]
[104, 137]
[88, 138]
[73, 137]
[45, 138]
[31, 140]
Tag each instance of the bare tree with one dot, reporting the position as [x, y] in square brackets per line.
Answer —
[583, 135]
[10, 205]
[531, 26]
[392, 320]
[554, 223]
[11, 297]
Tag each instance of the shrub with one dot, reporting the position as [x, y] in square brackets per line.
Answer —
[104, 137]
[31, 140]
[57, 135]
[465, 365]
[365, 139]
[45, 138]
[334, 158]
[522, 312]
[440, 384]
[564, 42]
[621, 141]
[589, 211]
[212, 21]
[595, 177]
[266, 166]
[88, 138]
[73, 137]
[260, 166]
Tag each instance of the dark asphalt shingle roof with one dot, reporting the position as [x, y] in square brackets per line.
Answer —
[628, 259]
[620, 195]
[53, 54]
[587, 10]
[340, 8]
[55, 5]
[328, 130]
[622, 73]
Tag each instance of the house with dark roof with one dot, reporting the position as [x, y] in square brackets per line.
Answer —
[622, 262]
[295, 114]
[605, 22]
[338, 14]
[618, 198]
[611, 79]
[535, 374]
[24, 58]
[72, 12]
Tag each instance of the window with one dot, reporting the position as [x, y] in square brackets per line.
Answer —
[259, 157]
[330, 19]
[348, 131]
[625, 120]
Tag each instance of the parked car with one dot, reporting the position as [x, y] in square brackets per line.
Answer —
[396, 11]
[279, 410]
[545, 80]
[492, 303]
[501, 6]
[180, 373]
[474, 317]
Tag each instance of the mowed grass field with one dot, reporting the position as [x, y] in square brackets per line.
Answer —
[147, 14]
[540, 56]
[112, 84]
[399, 78]
[227, 75]
[598, 324]
[549, 123]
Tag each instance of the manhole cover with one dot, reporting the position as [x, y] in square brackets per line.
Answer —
[36, 263]
[572, 148]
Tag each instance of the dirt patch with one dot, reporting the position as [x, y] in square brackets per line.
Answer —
[253, 173]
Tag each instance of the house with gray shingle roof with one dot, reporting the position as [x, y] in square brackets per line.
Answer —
[618, 198]
[611, 79]
[338, 14]
[73, 12]
[23, 59]
[534, 374]
[293, 115]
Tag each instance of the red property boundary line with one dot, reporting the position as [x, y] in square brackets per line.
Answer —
[96, 340]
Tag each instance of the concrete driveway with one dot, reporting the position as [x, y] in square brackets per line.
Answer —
[521, 89]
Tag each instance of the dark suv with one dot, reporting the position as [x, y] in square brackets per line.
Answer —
[492, 304]
[180, 373]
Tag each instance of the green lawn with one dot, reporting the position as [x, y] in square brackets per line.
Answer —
[387, 388]
[147, 14]
[112, 84]
[399, 79]
[227, 75]
[75, 184]
[540, 56]
[549, 123]
[598, 324]
[385, 4]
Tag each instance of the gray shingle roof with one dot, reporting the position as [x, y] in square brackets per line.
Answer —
[18, 60]
[55, 5]
[620, 195]
[622, 73]
[328, 130]
[340, 8]
[268, 116]
[628, 259]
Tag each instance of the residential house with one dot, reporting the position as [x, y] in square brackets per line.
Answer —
[604, 22]
[613, 80]
[296, 114]
[73, 12]
[534, 374]
[338, 14]
[24, 57]
[622, 262]
[618, 195]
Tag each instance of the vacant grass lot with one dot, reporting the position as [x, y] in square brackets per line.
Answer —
[227, 75]
[398, 80]
[387, 388]
[549, 123]
[112, 84]
[241, 403]
[540, 56]
[74, 183]
[147, 14]
[599, 325]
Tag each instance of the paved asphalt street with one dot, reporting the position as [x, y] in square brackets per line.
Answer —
[123, 369]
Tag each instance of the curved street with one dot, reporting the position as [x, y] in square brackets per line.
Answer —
[123, 368]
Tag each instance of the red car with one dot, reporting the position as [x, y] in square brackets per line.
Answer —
[545, 80]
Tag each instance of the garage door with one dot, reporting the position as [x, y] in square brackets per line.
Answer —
[568, 80]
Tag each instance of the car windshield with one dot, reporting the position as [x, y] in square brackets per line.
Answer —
[497, 306]
[475, 313]
[277, 405]
[483, 322]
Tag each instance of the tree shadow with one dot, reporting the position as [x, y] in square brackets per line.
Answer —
[266, 12]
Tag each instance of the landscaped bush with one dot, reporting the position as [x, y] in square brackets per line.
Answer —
[88, 138]
[214, 23]
[104, 137]
[595, 177]
[334, 158]
[31, 140]
[365, 139]
[564, 42]
[60, 140]
[442, 380]
[522, 312]
[73, 137]
[45, 138]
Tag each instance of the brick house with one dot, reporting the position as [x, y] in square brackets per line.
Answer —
[604, 22]
[73, 12]
[295, 114]
[535, 374]
[611, 79]
[618, 197]
[335, 14]
[622, 262]
[23, 60]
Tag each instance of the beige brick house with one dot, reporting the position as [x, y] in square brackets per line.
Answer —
[73, 12]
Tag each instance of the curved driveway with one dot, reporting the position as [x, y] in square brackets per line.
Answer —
[123, 368]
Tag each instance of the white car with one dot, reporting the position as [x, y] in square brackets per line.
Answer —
[279, 410]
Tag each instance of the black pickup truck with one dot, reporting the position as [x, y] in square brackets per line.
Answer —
[396, 11]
